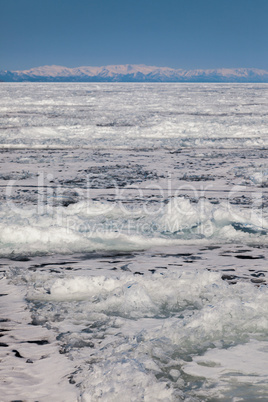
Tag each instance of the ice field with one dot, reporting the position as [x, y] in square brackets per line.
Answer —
[133, 242]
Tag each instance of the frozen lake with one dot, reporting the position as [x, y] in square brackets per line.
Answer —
[133, 242]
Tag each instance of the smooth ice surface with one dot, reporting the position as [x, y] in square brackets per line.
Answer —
[25, 369]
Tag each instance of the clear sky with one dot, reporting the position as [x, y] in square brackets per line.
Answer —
[175, 33]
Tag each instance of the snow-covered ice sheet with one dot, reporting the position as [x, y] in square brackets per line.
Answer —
[133, 116]
[133, 242]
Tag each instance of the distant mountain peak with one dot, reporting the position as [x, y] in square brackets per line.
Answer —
[133, 73]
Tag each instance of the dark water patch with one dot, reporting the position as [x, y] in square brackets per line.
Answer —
[229, 277]
[226, 255]
[257, 275]
[250, 257]
[21, 258]
[228, 269]
[17, 353]
[3, 345]
[71, 380]
[45, 264]
[39, 342]
[115, 261]
[257, 280]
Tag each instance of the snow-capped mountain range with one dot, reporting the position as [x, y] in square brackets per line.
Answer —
[133, 73]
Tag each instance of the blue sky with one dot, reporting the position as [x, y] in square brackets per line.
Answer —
[176, 33]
